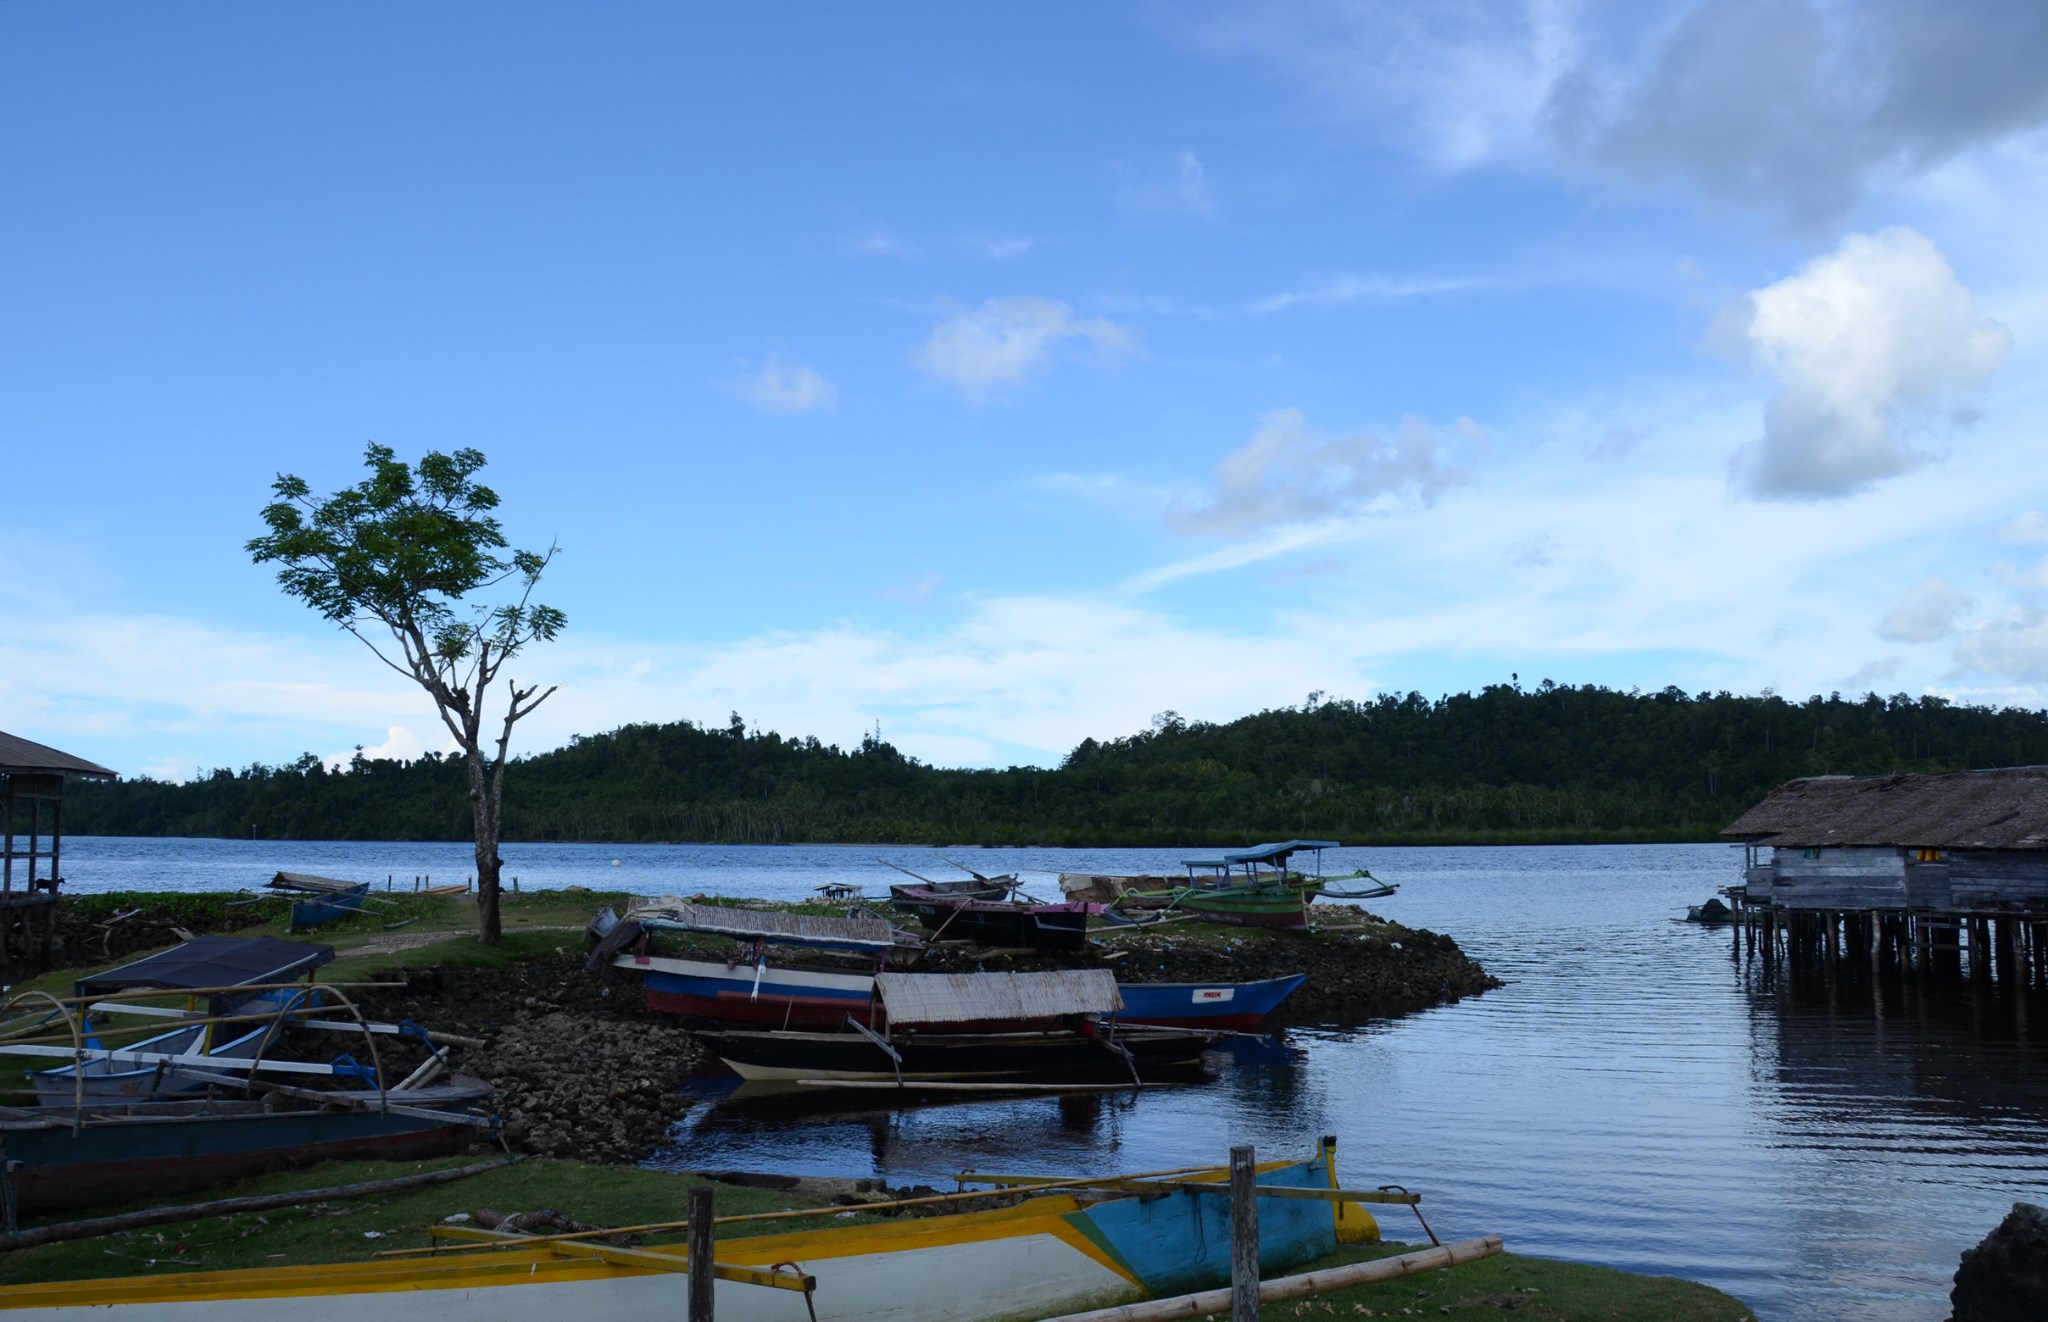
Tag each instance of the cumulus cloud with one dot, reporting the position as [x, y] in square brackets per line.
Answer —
[1927, 612]
[1866, 341]
[788, 388]
[400, 744]
[1005, 340]
[1289, 474]
[1792, 107]
[2015, 646]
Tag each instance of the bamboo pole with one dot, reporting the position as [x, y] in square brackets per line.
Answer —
[106, 1225]
[1297, 1287]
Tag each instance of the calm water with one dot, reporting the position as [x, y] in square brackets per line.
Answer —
[1634, 1096]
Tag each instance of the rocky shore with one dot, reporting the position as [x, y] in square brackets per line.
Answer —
[585, 1071]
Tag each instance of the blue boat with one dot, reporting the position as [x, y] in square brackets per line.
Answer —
[1242, 1006]
[326, 898]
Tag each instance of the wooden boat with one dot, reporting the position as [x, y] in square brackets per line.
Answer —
[1042, 1058]
[326, 898]
[149, 1068]
[759, 995]
[1058, 1251]
[1241, 1006]
[1254, 887]
[1713, 911]
[108, 1153]
[997, 922]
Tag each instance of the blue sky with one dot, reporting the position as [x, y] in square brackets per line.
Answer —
[1005, 375]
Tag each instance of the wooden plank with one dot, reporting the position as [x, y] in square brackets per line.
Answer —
[1244, 1237]
[645, 1259]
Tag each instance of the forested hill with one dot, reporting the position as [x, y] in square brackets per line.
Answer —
[1505, 764]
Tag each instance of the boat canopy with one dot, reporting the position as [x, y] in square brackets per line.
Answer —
[1276, 854]
[212, 961]
[799, 929]
[951, 998]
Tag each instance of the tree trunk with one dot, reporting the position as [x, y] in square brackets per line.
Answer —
[484, 809]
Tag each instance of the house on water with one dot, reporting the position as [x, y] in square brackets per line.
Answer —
[32, 777]
[1919, 871]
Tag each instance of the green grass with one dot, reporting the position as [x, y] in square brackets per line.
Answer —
[350, 1230]
[1539, 1289]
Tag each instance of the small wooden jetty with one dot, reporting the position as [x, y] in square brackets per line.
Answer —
[32, 777]
[1942, 875]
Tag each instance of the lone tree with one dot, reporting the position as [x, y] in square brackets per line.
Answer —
[398, 553]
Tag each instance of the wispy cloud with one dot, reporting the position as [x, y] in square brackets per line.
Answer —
[1007, 340]
[1178, 186]
[1358, 289]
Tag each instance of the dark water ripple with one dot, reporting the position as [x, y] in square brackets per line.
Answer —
[1635, 1096]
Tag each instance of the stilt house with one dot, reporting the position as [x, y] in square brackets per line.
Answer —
[1963, 842]
[32, 777]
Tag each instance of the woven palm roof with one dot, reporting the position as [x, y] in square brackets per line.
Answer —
[951, 998]
[2002, 808]
[19, 756]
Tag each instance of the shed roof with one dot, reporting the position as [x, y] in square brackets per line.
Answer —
[2001, 808]
[951, 998]
[1277, 852]
[19, 756]
[213, 961]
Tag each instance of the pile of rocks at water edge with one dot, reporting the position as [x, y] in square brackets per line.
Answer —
[583, 1069]
[2005, 1278]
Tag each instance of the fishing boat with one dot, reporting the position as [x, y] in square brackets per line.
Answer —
[1039, 1029]
[58, 1157]
[1256, 887]
[1712, 912]
[1239, 1006]
[997, 922]
[326, 898]
[217, 964]
[1069, 1245]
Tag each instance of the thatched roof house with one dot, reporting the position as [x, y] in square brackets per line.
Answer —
[2002, 808]
[1960, 839]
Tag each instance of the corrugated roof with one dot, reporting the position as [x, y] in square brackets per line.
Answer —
[2002, 808]
[951, 998]
[761, 924]
[19, 756]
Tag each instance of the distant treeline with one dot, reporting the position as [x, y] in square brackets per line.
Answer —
[1549, 764]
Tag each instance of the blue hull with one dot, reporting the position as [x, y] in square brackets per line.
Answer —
[1236, 1005]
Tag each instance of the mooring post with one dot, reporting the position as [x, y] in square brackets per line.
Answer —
[700, 1253]
[1244, 1237]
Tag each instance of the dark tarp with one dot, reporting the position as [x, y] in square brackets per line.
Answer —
[213, 961]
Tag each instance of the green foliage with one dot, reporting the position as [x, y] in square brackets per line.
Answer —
[402, 548]
[1552, 764]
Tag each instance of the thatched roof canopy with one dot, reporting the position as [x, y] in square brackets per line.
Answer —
[2002, 808]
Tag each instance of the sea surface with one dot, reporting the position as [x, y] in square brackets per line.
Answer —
[1637, 1095]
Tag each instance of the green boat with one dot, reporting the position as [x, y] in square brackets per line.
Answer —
[1254, 887]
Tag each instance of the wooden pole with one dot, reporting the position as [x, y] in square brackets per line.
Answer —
[700, 1253]
[1244, 1236]
[1298, 1287]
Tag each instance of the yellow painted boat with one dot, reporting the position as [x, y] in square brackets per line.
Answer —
[1056, 1252]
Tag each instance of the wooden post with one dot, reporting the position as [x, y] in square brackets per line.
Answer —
[700, 1254]
[1244, 1237]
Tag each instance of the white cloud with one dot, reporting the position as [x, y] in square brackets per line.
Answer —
[1927, 612]
[1866, 342]
[1290, 475]
[1460, 84]
[1181, 187]
[2028, 529]
[1358, 289]
[788, 388]
[1869, 676]
[400, 743]
[876, 243]
[2014, 646]
[1002, 247]
[1005, 340]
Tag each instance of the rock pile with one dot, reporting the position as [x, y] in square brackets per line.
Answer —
[2005, 1278]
